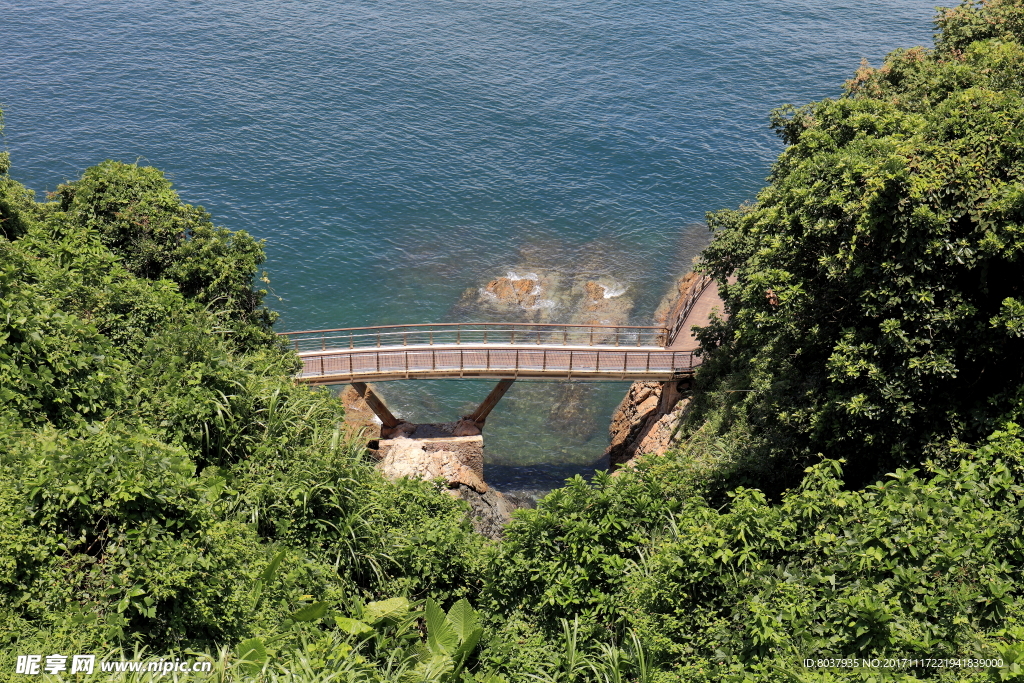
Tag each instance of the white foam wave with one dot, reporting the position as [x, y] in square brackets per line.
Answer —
[513, 275]
[613, 291]
[541, 304]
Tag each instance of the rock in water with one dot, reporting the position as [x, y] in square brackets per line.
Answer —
[522, 293]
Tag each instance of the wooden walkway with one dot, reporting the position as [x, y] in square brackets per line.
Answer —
[506, 350]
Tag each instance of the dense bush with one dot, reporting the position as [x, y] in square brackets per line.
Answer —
[165, 483]
[891, 236]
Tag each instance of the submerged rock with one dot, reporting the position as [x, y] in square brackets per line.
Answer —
[571, 412]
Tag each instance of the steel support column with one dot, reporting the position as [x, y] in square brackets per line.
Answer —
[481, 413]
[376, 405]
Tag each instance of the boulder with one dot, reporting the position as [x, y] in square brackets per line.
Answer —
[430, 459]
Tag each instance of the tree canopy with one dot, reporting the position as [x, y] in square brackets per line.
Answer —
[892, 234]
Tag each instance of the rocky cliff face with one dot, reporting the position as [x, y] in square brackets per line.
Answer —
[647, 418]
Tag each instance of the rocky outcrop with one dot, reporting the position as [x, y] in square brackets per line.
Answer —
[358, 416]
[669, 302]
[489, 512]
[522, 292]
[518, 296]
[646, 420]
[458, 460]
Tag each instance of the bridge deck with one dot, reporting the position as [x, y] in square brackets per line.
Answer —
[460, 361]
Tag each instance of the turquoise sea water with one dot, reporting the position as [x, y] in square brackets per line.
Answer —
[396, 155]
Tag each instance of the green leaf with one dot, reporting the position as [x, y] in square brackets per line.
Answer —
[352, 627]
[271, 570]
[392, 608]
[310, 612]
[441, 636]
[252, 655]
[464, 619]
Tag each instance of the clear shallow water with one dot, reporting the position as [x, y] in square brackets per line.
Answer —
[396, 154]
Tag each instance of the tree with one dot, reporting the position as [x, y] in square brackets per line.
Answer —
[892, 233]
[141, 219]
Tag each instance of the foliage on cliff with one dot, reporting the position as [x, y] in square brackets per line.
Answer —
[155, 455]
[892, 236]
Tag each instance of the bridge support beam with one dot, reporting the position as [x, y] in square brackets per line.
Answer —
[376, 405]
[479, 416]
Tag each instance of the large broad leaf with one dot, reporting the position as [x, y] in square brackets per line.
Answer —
[433, 668]
[392, 608]
[310, 612]
[353, 627]
[441, 635]
[268, 573]
[252, 655]
[464, 619]
[465, 648]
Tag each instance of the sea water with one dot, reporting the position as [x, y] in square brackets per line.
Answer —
[397, 156]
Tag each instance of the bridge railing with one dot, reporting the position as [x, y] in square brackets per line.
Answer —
[446, 334]
[682, 309]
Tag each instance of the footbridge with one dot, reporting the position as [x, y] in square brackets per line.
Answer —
[506, 351]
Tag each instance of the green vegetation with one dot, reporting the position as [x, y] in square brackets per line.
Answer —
[850, 483]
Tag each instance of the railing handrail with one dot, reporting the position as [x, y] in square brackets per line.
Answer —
[688, 302]
[480, 324]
